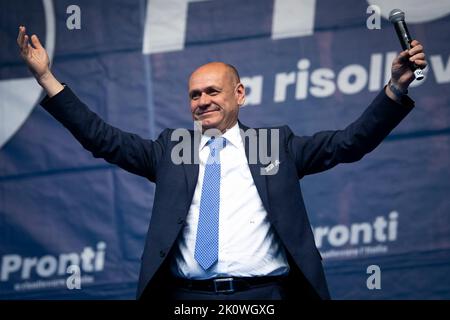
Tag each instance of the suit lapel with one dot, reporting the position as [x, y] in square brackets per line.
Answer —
[255, 168]
[191, 169]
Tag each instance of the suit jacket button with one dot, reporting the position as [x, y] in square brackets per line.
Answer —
[162, 254]
[180, 220]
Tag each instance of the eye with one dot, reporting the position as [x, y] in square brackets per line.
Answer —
[195, 95]
[212, 92]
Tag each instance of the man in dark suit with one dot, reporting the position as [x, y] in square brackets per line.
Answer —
[227, 224]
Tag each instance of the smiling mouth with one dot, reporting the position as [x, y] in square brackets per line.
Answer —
[206, 112]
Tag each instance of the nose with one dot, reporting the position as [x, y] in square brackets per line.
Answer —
[204, 100]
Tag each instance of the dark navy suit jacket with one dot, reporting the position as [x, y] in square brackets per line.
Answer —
[280, 193]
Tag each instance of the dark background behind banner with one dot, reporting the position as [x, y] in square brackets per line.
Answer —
[60, 206]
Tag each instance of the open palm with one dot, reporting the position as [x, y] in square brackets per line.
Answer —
[35, 56]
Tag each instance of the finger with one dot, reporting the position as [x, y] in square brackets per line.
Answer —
[403, 56]
[29, 50]
[25, 45]
[35, 41]
[414, 43]
[20, 35]
[421, 63]
[416, 49]
[419, 56]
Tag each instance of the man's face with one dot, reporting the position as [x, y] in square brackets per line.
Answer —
[215, 96]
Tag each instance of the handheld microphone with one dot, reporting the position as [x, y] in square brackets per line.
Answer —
[397, 17]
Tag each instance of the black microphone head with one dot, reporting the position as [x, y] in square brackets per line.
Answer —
[396, 15]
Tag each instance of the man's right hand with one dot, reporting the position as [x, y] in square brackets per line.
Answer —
[37, 60]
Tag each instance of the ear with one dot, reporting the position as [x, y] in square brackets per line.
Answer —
[240, 94]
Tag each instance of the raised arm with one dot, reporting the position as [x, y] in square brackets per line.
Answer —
[37, 60]
[326, 149]
[127, 150]
[401, 72]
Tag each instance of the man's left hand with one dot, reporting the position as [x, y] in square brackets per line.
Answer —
[402, 73]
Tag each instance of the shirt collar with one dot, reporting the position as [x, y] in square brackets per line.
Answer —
[232, 135]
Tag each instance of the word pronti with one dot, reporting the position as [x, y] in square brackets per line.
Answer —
[381, 230]
[88, 259]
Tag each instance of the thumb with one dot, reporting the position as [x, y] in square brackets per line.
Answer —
[35, 41]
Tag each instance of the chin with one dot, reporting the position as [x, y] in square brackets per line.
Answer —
[209, 123]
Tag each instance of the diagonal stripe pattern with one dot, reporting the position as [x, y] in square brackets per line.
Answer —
[207, 241]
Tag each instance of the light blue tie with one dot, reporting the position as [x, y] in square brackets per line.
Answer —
[207, 242]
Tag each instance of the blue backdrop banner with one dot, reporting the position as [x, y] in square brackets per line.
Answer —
[312, 64]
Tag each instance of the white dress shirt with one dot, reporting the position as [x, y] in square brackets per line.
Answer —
[248, 245]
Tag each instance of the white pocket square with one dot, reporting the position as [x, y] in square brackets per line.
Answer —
[272, 165]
